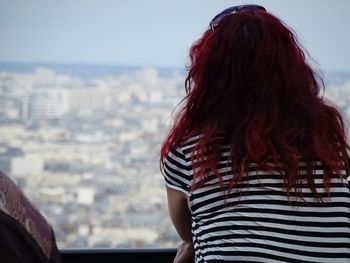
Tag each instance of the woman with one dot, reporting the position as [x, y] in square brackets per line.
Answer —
[256, 162]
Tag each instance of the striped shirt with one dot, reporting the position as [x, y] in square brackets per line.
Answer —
[259, 223]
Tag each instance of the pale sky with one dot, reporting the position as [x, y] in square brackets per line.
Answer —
[154, 32]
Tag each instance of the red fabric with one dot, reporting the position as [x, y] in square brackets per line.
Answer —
[25, 235]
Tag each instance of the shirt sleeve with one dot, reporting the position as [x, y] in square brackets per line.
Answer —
[177, 172]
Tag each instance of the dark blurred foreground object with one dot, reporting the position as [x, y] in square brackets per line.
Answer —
[25, 235]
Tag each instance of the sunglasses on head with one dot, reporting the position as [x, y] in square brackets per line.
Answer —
[233, 10]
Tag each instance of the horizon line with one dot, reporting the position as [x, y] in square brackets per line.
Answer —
[130, 66]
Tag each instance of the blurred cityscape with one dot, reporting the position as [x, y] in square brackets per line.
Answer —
[82, 142]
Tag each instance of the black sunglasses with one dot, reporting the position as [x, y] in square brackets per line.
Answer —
[233, 10]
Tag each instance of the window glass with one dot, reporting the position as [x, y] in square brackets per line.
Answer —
[80, 134]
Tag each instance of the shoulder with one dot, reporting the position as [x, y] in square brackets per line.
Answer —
[189, 144]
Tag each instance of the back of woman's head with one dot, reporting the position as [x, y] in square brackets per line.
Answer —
[248, 80]
[249, 67]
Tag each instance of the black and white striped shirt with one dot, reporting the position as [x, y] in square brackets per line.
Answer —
[259, 224]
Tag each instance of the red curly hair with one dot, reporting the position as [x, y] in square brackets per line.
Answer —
[248, 80]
